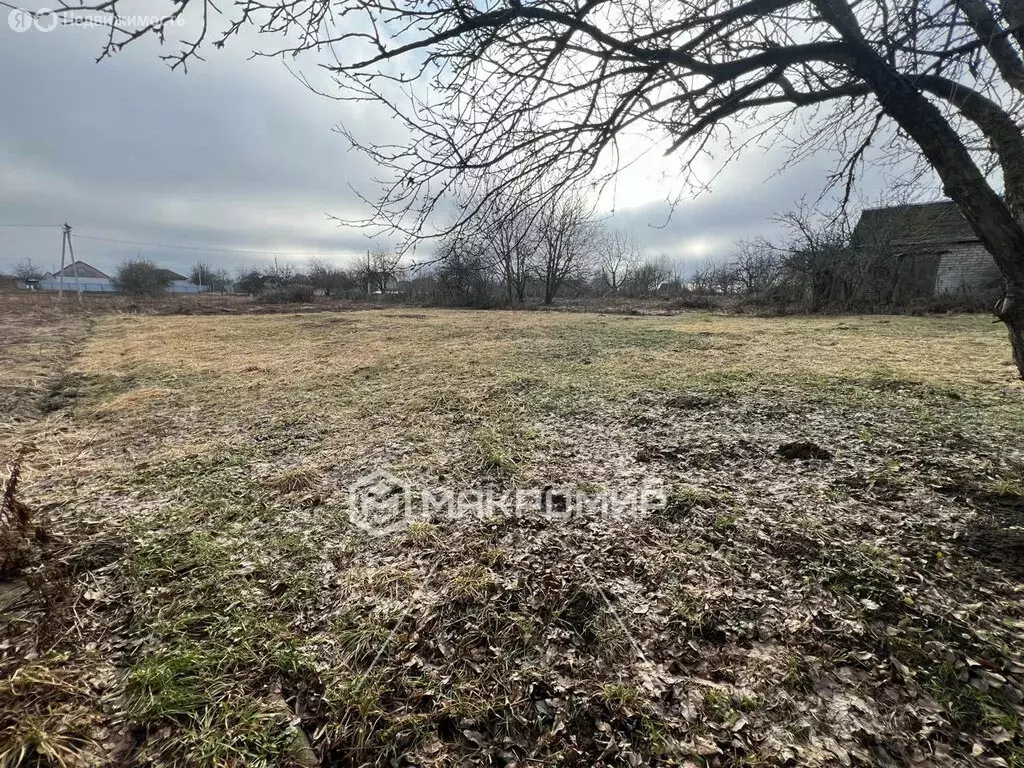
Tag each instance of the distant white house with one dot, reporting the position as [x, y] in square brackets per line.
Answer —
[77, 276]
[180, 283]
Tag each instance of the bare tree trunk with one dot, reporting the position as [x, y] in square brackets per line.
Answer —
[963, 182]
[1011, 311]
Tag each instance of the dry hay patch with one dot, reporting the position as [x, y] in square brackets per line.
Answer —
[130, 401]
[775, 612]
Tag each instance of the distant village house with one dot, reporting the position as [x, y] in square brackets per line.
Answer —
[79, 276]
[179, 283]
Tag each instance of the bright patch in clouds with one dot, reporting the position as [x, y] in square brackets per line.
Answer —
[238, 155]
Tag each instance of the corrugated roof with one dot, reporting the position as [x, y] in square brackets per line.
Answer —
[923, 224]
[81, 269]
[171, 275]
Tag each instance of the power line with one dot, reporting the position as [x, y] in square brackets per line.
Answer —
[196, 248]
[199, 248]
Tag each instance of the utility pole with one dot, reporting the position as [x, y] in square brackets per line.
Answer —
[60, 275]
[66, 249]
[74, 264]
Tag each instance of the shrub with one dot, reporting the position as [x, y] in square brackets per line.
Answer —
[252, 282]
[696, 301]
[141, 277]
[299, 294]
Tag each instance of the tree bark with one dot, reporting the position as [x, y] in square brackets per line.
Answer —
[986, 212]
[993, 36]
[998, 127]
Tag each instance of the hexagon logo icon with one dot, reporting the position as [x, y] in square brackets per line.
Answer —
[380, 503]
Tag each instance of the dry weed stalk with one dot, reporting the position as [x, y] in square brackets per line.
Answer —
[16, 530]
[14, 512]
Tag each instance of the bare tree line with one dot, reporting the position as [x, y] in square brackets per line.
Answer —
[498, 96]
[515, 254]
[378, 272]
[511, 253]
[821, 266]
[515, 250]
[817, 266]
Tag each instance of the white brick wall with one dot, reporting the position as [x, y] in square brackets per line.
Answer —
[963, 268]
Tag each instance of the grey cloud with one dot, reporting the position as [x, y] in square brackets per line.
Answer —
[743, 203]
[235, 155]
[238, 155]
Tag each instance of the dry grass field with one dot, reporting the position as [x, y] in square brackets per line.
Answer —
[201, 596]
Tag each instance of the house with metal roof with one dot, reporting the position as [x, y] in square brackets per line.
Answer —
[179, 283]
[934, 242]
[78, 276]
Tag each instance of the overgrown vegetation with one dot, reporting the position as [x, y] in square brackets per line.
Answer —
[511, 256]
[210, 278]
[283, 283]
[828, 268]
[819, 267]
[142, 278]
[210, 602]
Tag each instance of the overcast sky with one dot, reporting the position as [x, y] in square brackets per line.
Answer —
[238, 156]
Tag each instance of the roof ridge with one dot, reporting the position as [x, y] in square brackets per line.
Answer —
[70, 268]
[943, 202]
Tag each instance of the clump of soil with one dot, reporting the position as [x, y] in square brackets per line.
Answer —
[803, 451]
